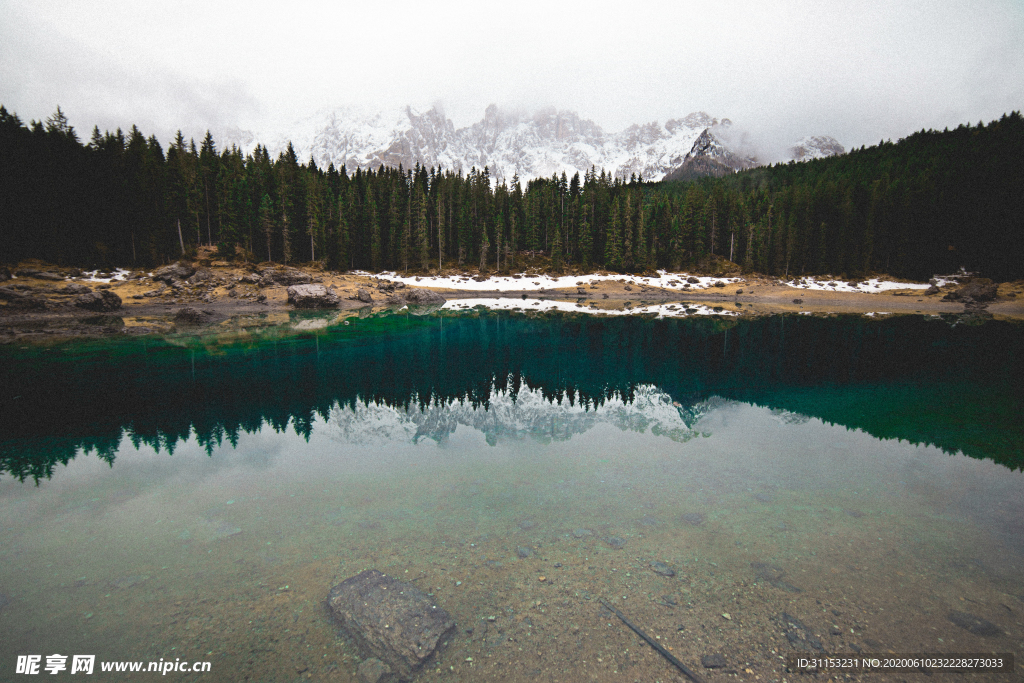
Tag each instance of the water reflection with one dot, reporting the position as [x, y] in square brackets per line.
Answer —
[783, 533]
[908, 378]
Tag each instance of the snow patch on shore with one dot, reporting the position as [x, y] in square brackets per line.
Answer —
[872, 286]
[670, 310]
[118, 275]
[522, 282]
[677, 282]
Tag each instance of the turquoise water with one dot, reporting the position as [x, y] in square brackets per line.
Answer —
[196, 497]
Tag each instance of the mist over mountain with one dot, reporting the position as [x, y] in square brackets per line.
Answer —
[543, 143]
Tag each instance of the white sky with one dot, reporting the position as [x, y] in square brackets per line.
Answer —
[859, 71]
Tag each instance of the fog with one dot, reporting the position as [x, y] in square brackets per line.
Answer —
[860, 73]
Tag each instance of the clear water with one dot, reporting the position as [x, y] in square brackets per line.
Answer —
[196, 498]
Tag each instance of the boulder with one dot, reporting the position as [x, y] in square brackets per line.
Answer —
[312, 296]
[155, 292]
[175, 271]
[53, 277]
[364, 296]
[285, 276]
[389, 620]
[422, 297]
[5, 274]
[202, 275]
[101, 301]
[17, 299]
[74, 288]
[977, 290]
[189, 316]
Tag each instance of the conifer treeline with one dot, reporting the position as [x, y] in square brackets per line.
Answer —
[930, 203]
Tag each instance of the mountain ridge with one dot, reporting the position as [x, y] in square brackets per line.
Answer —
[546, 142]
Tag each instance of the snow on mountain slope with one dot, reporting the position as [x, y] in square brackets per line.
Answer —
[545, 143]
[816, 147]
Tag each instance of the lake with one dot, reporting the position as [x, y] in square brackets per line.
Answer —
[740, 489]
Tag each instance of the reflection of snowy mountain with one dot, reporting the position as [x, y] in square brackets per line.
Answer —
[529, 415]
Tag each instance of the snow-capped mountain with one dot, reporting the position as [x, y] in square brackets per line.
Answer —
[816, 147]
[541, 144]
[710, 156]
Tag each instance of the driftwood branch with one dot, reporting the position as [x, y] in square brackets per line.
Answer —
[650, 641]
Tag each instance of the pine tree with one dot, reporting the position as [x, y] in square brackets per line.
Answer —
[267, 222]
[422, 229]
[612, 248]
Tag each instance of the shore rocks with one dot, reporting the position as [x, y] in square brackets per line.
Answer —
[189, 316]
[364, 296]
[312, 296]
[285, 276]
[17, 299]
[389, 620]
[101, 301]
[978, 290]
[74, 288]
[175, 271]
[202, 275]
[422, 297]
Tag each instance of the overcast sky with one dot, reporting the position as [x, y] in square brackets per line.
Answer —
[859, 71]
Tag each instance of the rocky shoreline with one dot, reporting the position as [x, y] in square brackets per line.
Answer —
[42, 301]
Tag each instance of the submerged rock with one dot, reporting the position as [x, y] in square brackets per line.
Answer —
[312, 296]
[392, 621]
[799, 635]
[713, 661]
[661, 568]
[373, 670]
[974, 624]
[772, 575]
[694, 518]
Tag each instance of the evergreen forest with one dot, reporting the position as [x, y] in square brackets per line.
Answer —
[931, 203]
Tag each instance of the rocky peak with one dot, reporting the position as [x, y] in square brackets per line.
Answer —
[816, 147]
